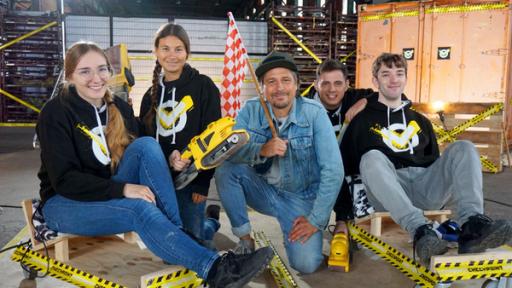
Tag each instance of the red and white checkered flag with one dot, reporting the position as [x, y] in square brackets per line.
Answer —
[233, 71]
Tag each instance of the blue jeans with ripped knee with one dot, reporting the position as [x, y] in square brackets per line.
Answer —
[157, 225]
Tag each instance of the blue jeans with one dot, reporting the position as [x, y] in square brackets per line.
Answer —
[157, 225]
[239, 185]
[194, 220]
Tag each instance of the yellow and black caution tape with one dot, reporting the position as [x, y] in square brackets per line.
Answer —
[436, 10]
[382, 16]
[13, 124]
[414, 271]
[443, 133]
[488, 164]
[281, 275]
[494, 268]
[471, 122]
[180, 278]
[467, 8]
[60, 270]
[449, 136]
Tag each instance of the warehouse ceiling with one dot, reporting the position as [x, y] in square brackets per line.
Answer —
[170, 8]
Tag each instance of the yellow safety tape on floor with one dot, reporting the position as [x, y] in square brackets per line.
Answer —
[180, 278]
[414, 271]
[494, 268]
[280, 273]
[60, 270]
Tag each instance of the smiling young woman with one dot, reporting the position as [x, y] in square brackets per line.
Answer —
[178, 106]
[97, 179]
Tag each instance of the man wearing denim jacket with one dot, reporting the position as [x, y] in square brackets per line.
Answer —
[294, 177]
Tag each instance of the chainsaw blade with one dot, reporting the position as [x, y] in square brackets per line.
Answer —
[185, 177]
[225, 150]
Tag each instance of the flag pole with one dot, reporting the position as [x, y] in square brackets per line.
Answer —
[256, 84]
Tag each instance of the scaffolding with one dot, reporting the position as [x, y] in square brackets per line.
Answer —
[31, 57]
[312, 27]
[345, 42]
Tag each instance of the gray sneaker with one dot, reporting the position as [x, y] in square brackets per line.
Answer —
[244, 247]
[427, 244]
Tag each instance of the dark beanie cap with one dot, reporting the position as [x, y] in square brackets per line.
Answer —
[273, 60]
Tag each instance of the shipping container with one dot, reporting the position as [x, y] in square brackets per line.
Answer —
[457, 51]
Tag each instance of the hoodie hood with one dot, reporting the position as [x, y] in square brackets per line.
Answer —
[187, 75]
[373, 103]
[403, 135]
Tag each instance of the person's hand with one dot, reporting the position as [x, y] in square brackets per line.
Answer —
[177, 163]
[355, 109]
[301, 230]
[198, 198]
[275, 146]
[139, 191]
[341, 227]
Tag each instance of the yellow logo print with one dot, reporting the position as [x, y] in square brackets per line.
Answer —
[396, 141]
[167, 118]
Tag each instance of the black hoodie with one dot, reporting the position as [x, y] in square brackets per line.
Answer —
[198, 99]
[71, 164]
[381, 128]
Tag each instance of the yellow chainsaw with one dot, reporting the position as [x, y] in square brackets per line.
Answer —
[210, 148]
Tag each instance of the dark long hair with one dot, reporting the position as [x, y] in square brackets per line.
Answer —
[164, 31]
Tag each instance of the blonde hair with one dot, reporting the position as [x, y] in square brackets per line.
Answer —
[118, 137]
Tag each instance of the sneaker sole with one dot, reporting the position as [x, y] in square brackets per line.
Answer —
[241, 282]
[494, 240]
[437, 247]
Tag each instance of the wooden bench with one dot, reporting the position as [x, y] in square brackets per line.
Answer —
[376, 219]
[60, 243]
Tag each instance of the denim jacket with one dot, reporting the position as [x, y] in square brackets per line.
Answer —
[311, 168]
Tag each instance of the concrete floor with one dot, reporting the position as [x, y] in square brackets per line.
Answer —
[19, 164]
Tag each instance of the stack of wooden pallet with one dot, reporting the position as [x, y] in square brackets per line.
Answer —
[312, 26]
[29, 66]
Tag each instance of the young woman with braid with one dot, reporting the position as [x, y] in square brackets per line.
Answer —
[179, 105]
[97, 179]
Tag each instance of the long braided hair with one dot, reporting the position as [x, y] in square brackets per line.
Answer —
[117, 135]
[166, 30]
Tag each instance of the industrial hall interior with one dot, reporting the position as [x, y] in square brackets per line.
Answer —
[256, 143]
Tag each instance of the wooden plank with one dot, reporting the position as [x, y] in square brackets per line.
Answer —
[476, 257]
[482, 137]
[454, 108]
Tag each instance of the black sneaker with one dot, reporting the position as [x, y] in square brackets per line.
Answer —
[481, 232]
[427, 244]
[233, 271]
[213, 211]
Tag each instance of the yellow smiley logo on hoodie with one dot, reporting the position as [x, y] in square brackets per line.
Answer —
[172, 116]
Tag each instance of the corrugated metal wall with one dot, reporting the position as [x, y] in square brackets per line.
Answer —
[207, 37]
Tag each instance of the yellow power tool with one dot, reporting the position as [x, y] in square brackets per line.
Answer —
[210, 148]
[339, 257]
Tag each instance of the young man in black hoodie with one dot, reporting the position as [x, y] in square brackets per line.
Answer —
[395, 150]
[342, 103]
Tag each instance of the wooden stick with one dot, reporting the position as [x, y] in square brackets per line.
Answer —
[262, 101]
[505, 132]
